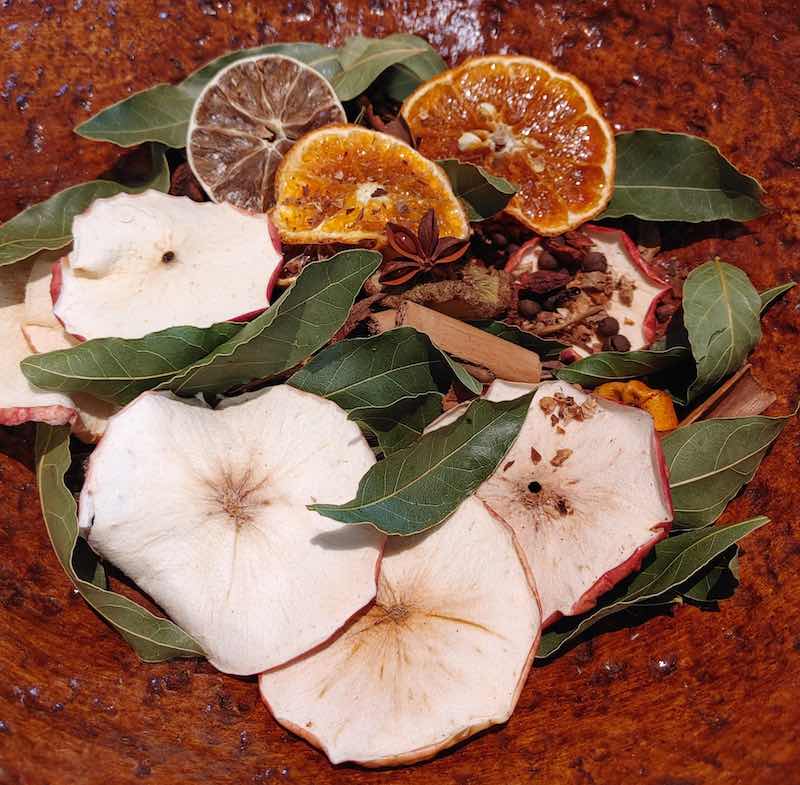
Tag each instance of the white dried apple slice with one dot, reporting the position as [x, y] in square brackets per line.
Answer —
[586, 505]
[144, 262]
[442, 654]
[206, 511]
[20, 401]
[637, 320]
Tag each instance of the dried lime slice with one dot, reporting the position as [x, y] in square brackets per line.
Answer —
[245, 120]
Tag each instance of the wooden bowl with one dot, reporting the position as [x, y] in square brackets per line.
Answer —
[683, 698]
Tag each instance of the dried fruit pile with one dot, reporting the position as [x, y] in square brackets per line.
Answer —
[383, 417]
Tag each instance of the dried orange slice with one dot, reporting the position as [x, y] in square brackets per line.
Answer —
[245, 120]
[344, 183]
[524, 121]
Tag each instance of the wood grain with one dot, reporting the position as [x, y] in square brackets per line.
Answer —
[692, 698]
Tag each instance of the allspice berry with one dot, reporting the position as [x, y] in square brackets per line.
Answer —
[608, 326]
[617, 343]
[547, 261]
[529, 309]
[594, 262]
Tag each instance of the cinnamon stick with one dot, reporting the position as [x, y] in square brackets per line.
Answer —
[504, 359]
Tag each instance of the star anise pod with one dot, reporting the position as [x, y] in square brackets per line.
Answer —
[420, 251]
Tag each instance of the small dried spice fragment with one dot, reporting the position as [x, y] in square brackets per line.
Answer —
[560, 457]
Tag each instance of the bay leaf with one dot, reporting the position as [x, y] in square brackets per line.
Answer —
[48, 225]
[717, 580]
[672, 562]
[710, 461]
[482, 194]
[770, 295]
[153, 639]
[299, 323]
[118, 369]
[363, 60]
[400, 425]
[665, 176]
[161, 113]
[417, 487]
[721, 313]
[546, 348]
[376, 372]
[618, 366]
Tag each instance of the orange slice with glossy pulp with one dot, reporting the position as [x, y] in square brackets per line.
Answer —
[521, 119]
[344, 183]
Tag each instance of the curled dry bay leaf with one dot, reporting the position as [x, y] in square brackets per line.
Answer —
[769, 295]
[376, 372]
[161, 113]
[615, 366]
[118, 369]
[363, 60]
[671, 563]
[417, 487]
[482, 194]
[154, 639]
[400, 425]
[721, 314]
[299, 323]
[717, 580]
[710, 461]
[48, 225]
[676, 177]
[546, 348]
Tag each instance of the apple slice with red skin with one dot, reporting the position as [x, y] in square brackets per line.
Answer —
[623, 258]
[145, 262]
[442, 654]
[206, 511]
[586, 522]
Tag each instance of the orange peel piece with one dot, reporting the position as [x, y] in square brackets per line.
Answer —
[657, 403]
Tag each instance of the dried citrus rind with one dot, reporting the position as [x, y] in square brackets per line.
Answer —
[344, 183]
[245, 120]
[527, 122]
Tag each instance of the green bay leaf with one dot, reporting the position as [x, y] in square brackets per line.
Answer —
[482, 194]
[153, 639]
[721, 313]
[298, 324]
[48, 225]
[676, 177]
[546, 348]
[618, 366]
[417, 487]
[400, 425]
[118, 369]
[770, 295]
[717, 580]
[161, 113]
[365, 59]
[376, 372]
[710, 461]
[672, 562]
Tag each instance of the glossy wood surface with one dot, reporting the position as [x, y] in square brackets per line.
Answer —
[683, 699]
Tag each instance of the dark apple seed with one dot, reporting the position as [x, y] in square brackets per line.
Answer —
[547, 261]
[607, 327]
[617, 343]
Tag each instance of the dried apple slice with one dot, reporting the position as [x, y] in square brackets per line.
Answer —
[584, 488]
[19, 400]
[144, 262]
[442, 654]
[206, 511]
[637, 320]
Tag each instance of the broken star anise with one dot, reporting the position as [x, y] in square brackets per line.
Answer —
[420, 251]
